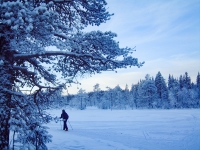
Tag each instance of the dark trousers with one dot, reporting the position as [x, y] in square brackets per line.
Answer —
[65, 125]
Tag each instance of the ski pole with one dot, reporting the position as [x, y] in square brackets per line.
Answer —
[60, 124]
[70, 124]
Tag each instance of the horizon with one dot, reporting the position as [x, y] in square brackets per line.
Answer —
[122, 86]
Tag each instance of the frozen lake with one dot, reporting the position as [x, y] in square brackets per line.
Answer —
[96, 129]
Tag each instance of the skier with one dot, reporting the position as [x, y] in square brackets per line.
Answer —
[65, 116]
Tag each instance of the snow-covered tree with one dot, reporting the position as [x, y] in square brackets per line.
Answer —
[134, 96]
[79, 101]
[193, 102]
[127, 95]
[198, 85]
[97, 94]
[183, 97]
[198, 80]
[26, 123]
[170, 81]
[187, 81]
[162, 89]
[90, 101]
[173, 93]
[118, 98]
[111, 97]
[147, 92]
[29, 33]
[105, 100]
[181, 81]
[52, 99]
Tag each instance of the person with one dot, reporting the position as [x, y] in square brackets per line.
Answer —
[65, 116]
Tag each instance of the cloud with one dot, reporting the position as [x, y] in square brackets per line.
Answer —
[143, 22]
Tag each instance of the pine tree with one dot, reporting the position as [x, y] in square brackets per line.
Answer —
[118, 99]
[170, 82]
[27, 121]
[193, 101]
[81, 97]
[105, 100]
[198, 86]
[147, 92]
[97, 94]
[173, 93]
[198, 80]
[79, 100]
[184, 97]
[134, 96]
[90, 101]
[126, 96]
[162, 89]
[187, 81]
[181, 81]
[110, 97]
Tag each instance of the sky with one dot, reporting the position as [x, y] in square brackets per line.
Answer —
[165, 34]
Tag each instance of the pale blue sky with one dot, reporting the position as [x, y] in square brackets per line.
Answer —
[166, 34]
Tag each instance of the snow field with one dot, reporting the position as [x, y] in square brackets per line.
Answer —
[96, 129]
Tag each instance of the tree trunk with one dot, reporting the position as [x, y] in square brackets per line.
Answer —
[5, 103]
[4, 132]
[4, 118]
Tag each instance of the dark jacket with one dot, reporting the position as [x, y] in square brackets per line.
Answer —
[64, 115]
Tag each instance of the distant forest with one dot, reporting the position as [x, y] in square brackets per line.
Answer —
[149, 93]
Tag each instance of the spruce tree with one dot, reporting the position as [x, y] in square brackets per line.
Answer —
[174, 93]
[126, 93]
[147, 92]
[181, 81]
[170, 81]
[186, 81]
[96, 94]
[118, 99]
[198, 85]
[198, 80]
[134, 96]
[162, 89]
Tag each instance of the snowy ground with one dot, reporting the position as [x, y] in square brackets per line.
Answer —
[95, 129]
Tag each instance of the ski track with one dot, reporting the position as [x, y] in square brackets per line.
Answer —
[164, 131]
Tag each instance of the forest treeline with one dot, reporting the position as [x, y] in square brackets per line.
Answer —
[148, 93]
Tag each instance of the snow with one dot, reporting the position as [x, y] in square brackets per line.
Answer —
[96, 129]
